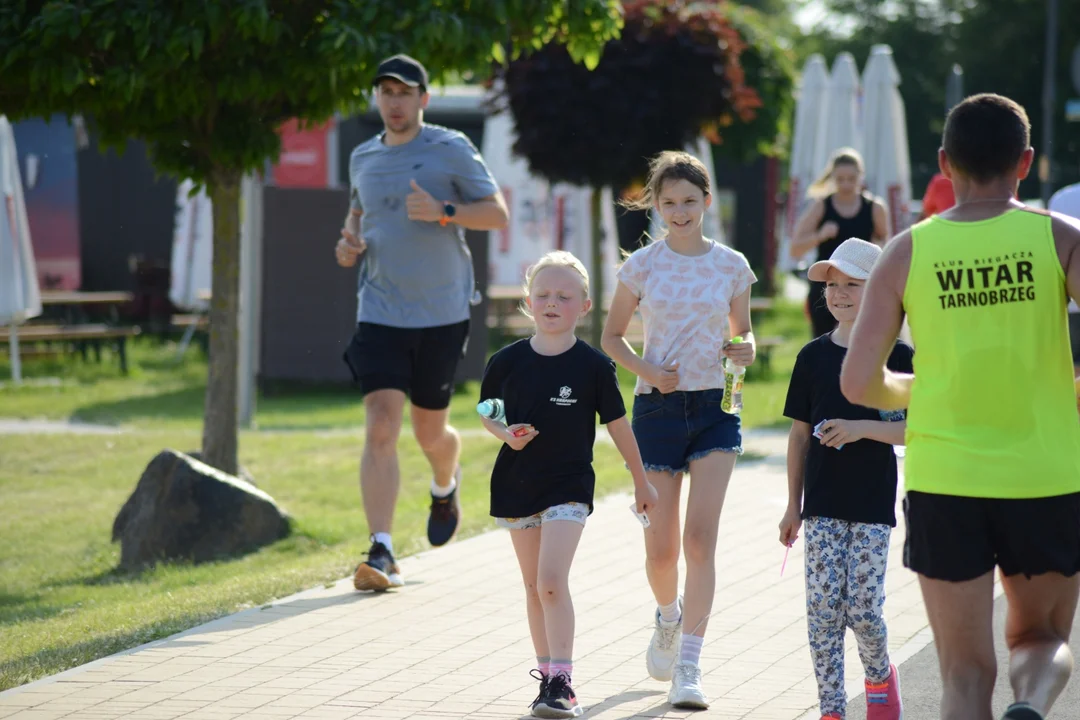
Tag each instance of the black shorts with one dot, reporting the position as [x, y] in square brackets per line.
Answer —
[961, 538]
[421, 362]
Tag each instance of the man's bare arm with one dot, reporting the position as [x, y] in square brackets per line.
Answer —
[350, 246]
[1067, 241]
[352, 221]
[488, 213]
[864, 379]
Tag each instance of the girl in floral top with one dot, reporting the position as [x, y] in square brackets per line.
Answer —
[693, 294]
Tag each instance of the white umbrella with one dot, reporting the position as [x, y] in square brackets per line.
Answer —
[193, 249]
[888, 163]
[20, 296]
[802, 171]
[840, 126]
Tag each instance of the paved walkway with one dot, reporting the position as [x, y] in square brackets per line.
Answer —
[454, 642]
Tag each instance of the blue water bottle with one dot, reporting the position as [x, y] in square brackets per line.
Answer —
[492, 409]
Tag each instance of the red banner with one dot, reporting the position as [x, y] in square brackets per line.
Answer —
[303, 161]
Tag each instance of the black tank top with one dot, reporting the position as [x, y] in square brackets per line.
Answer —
[861, 226]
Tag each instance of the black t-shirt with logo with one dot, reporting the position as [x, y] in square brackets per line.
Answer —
[858, 482]
[560, 396]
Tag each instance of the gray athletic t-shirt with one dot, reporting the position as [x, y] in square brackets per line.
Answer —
[415, 274]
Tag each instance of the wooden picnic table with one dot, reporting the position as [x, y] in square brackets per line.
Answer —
[75, 307]
[79, 336]
[73, 297]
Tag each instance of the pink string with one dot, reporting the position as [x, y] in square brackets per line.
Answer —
[784, 564]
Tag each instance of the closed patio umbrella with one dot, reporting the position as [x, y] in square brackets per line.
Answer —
[802, 170]
[885, 140]
[20, 295]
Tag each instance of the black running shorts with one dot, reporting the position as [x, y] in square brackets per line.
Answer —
[421, 362]
[961, 538]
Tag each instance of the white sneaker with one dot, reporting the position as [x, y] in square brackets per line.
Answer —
[686, 691]
[664, 647]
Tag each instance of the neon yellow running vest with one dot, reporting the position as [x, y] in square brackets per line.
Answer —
[993, 408]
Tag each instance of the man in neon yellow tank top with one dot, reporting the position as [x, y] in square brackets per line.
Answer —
[993, 439]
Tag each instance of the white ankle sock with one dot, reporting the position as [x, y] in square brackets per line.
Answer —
[441, 492]
[690, 651]
[670, 613]
[384, 538]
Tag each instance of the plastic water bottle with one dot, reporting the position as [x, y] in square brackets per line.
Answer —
[733, 382]
[495, 410]
[492, 409]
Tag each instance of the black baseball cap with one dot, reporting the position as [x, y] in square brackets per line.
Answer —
[404, 68]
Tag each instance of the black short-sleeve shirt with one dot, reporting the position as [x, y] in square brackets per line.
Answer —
[560, 396]
[858, 482]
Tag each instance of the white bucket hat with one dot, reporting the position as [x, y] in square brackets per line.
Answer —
[855, 258]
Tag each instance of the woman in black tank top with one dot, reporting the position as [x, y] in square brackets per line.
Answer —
[845, 211]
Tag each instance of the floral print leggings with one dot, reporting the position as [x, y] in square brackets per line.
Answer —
[845, 587]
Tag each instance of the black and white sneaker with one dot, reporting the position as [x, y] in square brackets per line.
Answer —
[559, 701]
[445, 513]
[379, 572]
[542, 695]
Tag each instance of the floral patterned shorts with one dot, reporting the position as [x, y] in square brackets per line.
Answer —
[574, 512]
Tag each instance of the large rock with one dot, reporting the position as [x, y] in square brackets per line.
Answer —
[183, 509]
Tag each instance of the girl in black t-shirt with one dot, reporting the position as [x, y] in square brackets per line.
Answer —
[553, 386]
[843, 486]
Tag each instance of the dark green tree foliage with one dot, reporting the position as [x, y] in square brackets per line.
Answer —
[207, 85]
[674, 73]
[770, 70]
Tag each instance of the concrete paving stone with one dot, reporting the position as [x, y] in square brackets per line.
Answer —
[455, 641]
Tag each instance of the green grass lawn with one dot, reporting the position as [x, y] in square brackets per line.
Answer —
[62, 603]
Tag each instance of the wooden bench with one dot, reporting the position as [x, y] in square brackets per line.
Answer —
[191, 323]
[81, 336]
[199, 322]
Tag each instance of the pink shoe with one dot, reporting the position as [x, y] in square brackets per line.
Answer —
[832, 716]
[883, 699]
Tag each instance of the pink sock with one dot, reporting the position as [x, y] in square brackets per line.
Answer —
[543, 664]
[563, 667]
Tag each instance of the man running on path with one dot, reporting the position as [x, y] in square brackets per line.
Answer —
[416, 186]
[993, 438]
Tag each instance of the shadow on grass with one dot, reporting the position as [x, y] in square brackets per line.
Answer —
[183, 404]
[16, 609]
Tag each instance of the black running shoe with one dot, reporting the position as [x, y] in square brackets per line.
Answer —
[542, 695]
[445, 513]
[560, 702]
[379, 572]
[1022, 711]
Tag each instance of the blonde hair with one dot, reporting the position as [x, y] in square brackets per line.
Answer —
[669, 165]
[824, 185]
[555, 258]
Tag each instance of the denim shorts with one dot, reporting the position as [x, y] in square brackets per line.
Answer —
[675, 429]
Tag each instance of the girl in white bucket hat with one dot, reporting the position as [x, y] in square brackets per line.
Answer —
[842, 479]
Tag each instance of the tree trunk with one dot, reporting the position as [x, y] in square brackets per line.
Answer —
[597, 328]
[219, 445]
